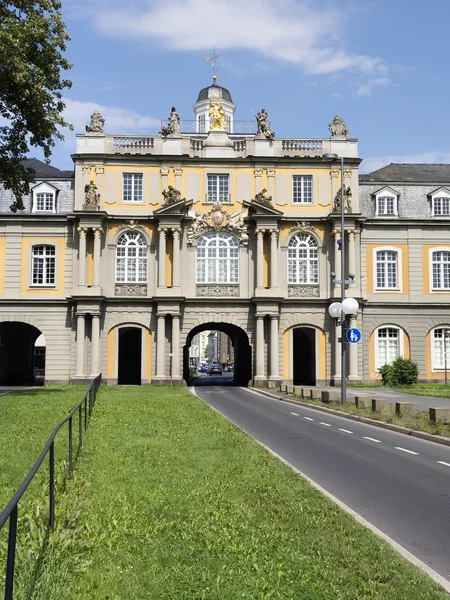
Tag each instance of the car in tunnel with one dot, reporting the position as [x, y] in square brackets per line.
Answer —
[215, 368]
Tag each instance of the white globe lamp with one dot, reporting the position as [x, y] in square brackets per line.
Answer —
[334, 310]
[350, 306]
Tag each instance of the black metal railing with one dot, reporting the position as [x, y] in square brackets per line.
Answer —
[84, 409]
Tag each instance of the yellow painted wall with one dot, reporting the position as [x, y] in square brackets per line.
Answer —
[302, 209]
[370, 268]
[286, 354]
[90, 258]
[111, 357]
[266, 250]
[426, 267]
[148, 355]
[323, 354]
[25, 275]
[169, 261]
[2, 264]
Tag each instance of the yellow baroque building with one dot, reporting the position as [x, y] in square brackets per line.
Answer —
[219, 225]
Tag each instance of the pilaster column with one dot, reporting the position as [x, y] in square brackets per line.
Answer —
[351, 255]
[160, 347]
[82, 256]
[162, 278]
[176, 267]
[273, 258]
[97, 250]
[95, 346]
[336, 235]
[178, 175]
[271, 183]
[260, 347]
[258, 180]
[353, 362]
[80, 370]
[164, 177]
[274, 347]
[259, 258]
[337, 354]
[176, 347]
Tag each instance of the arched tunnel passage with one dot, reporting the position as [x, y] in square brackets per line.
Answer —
[22, 361]
[241, 346]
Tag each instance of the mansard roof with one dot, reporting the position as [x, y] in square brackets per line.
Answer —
[409, 173]
[44, 171]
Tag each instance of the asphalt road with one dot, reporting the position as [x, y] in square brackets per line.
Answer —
[399, 484]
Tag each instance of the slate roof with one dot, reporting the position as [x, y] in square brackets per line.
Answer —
[409, 173]
[223, 93]
[44, 171]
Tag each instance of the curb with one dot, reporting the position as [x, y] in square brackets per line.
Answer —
[429, 437]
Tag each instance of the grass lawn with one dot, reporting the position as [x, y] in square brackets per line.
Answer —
[172, 501]
[439, 390]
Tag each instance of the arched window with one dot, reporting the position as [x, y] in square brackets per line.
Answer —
[43, 269]
[388, 345]
[131, 258]
[441, 348]
[441, 270]
[217, 258]
[303, 259]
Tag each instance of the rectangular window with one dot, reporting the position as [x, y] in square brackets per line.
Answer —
[302, 189]
[45, 202]
[218, 189]
[441, 270]
[228, 119]
[441, 354]
[387, 269]
[132, 187]
[441, 207]
[43, 267]
[388, 345]
[201, 123]
[386, 206]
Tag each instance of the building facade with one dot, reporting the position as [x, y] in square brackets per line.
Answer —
[152, 240]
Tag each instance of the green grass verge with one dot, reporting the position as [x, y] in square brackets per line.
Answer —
[439, 390]
[172, 501]
[418, 421]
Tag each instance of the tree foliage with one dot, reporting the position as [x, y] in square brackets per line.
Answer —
[32, 39]
[402, 371]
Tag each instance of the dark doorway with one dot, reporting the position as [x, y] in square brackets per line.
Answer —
[130, 356]
[304, 344]
[17, 353]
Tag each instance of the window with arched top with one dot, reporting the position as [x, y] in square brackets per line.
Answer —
[217, 258]
[441, 348]
[131, 258]
[389, 345]
[303, 259]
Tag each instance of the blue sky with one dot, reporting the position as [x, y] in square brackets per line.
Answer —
[381, 64]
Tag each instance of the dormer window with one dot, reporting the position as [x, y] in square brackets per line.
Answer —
[44, 198]
[386, 203]
[440, 207]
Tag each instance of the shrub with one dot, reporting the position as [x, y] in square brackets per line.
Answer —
[402, 371]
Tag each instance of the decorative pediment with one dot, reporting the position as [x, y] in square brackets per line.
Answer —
[302, 227]
[177, 207]
[443, 191]
[262, 206]
[218, 219]
[44, 187]
[386, 190]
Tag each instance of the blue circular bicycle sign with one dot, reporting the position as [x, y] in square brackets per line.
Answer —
[353, 335]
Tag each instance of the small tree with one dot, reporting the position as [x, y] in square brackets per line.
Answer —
[206, 352]
[402, 371]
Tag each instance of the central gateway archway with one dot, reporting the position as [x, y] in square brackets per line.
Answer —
[241, 345]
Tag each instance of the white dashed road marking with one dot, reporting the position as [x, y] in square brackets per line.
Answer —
[441, 462]
[326, 424]
[372, 439]
[345, 430]
[405, 450]
[308, 418]
[295, 414]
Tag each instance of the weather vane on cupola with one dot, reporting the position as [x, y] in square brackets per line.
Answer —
[212, 59]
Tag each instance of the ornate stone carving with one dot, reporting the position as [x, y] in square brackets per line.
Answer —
[303, 291]
[130, 289]
[347, 173]
[97, 123]
[164, 170]
[302, 227]
[87, 168]
[216, 220]
[171, 195]
[334, 173]
[217, 115]
[270, 173]
[173, 128]
[213, 289]
[262, 118]
[338, 128]
[347, 198]
[262, 197]
[91, 197]
[336, 234]
[178, 172]
[258, 172]
[99, 169]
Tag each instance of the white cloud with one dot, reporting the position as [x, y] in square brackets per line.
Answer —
[366, 89]
[292, 31]
[372, 163]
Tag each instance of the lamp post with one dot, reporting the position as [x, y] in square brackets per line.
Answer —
[347, 307]
[446, 336]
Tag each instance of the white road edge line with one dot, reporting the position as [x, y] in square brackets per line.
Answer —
[405, 450]
[326, 424]
[372, 439]
[345, 430]
[308, 418]
[295, 414]
[445, 583]
[441, 462]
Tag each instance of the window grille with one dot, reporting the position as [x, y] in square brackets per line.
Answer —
[131, 258]
[217, 258]
[303, 259]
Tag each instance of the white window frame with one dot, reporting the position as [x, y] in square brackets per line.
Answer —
[431, 269]
[302, 176]
[208, 198]
[217, 235]
[133, 174]
[43, 188]
[131, 236]
[401, 351]
[46, 258]
[436, 197]
[386, 193]
[434, 367]
[398, 287]
[311, 244]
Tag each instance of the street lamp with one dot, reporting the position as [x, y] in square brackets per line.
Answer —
[446, 337]
[347, 306]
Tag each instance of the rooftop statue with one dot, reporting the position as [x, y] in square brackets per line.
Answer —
[217, 119]
[91, 197]
[338, 128]
[97, 123]
[262, 119]
[347, 199]
[173, 128]
[263, 198]
[171, 195]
